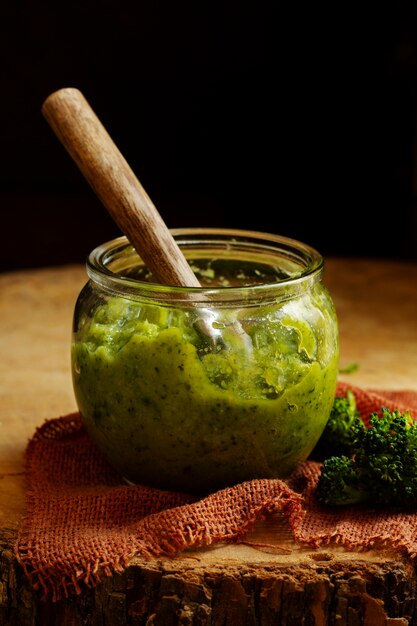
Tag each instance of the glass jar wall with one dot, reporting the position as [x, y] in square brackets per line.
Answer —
[195, 389]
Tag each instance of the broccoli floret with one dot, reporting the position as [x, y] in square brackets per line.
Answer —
[340, 431]
[339, 482]
[382, 468]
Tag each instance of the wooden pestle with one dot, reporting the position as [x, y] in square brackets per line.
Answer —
[91, 147]
[102, 164]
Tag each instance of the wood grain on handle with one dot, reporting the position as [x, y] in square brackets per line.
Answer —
[90, 146]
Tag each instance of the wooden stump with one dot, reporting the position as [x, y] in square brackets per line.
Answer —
[211, 587]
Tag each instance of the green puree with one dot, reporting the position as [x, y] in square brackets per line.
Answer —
[170, 410]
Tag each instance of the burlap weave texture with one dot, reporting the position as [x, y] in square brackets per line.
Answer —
[82, 521]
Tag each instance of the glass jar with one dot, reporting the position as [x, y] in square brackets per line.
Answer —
[195, 389]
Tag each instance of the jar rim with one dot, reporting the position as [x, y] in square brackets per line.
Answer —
[103, 260]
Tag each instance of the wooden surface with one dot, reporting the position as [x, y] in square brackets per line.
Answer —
[224, 585]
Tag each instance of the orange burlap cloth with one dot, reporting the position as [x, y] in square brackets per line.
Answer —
[83, 522]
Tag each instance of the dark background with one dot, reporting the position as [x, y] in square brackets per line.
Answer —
[270, 116]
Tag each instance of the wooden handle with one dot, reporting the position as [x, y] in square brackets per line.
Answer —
[88, 143]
